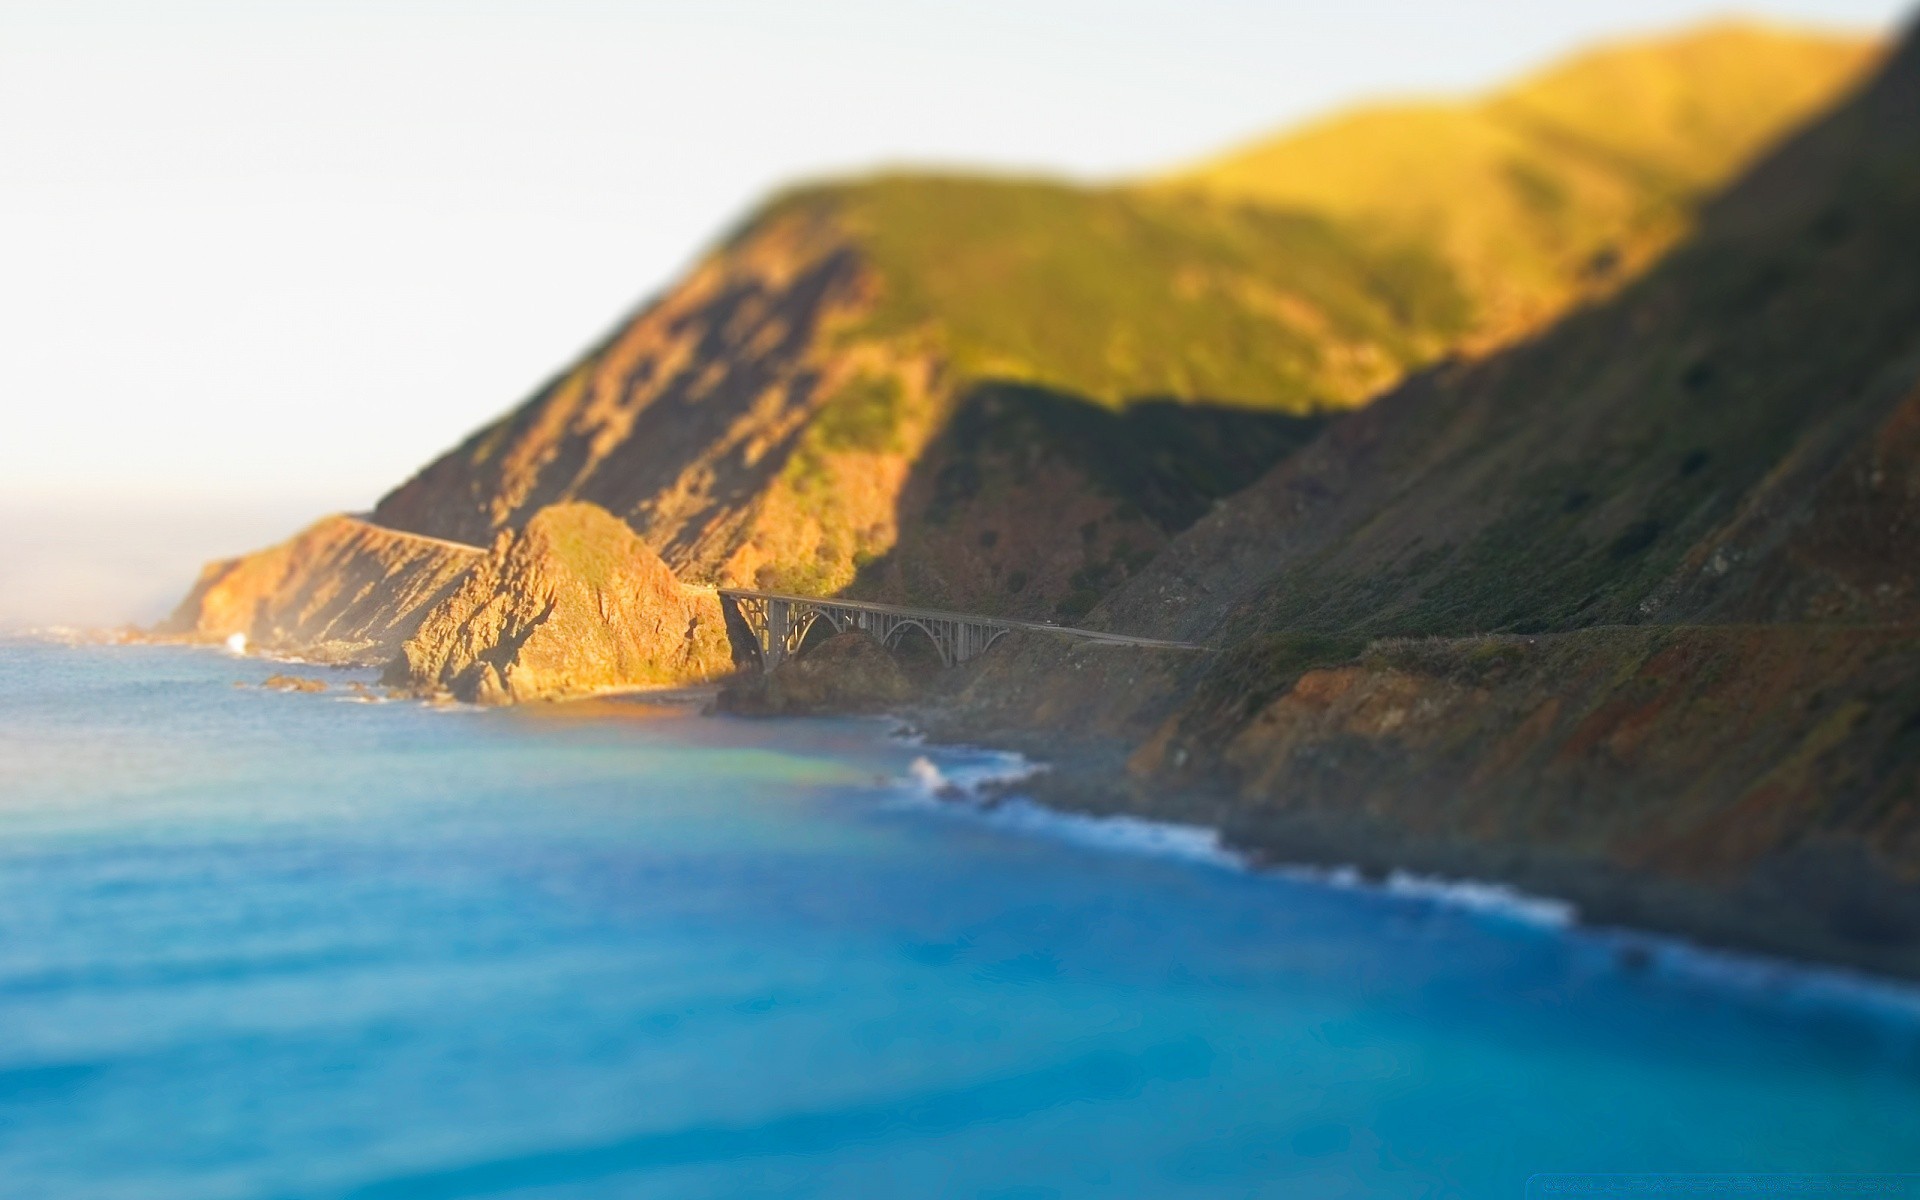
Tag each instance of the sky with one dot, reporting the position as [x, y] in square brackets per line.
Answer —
[260, 259]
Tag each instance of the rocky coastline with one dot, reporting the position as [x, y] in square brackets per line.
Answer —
[1617, 603]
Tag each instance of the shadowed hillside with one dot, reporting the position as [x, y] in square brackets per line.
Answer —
[1628, 613]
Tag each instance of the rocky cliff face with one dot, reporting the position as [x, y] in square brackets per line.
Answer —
[342, 590]
[848, 672]
[572, 604]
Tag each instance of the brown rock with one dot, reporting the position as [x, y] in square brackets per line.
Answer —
[292, 683]
[849, 672]
[573, 604]
[342, 590]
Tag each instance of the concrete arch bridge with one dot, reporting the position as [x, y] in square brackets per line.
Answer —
[777, 625]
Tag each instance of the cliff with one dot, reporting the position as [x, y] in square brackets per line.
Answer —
[342, 590]
[572, 604]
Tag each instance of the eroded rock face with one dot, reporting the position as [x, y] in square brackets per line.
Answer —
[342, 590]
[573, 604]
[849, 672]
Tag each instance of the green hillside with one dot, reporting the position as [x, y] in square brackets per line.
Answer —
[1562, 182]
[1118, 294]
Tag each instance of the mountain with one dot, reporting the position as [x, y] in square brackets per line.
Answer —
[1007, 395]
[1558, 185]
[1629, 612]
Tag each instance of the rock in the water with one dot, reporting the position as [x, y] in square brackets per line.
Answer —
[849, 672]
[292, 683]
[573, 604]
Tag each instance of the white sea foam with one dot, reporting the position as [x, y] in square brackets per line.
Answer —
[962, 787]
[968, 780]
[1497, 899]
[1121, 833]
[927, 777]
[236, 643]
[1469, 895]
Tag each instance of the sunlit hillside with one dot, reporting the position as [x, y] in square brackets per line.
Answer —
[1559, 183]
[1118, 294]
[1006, 395]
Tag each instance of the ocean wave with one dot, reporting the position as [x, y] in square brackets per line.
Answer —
[1473, 895]
[973, 787]
[1468, 895]
[1119, 832]
[971, 777]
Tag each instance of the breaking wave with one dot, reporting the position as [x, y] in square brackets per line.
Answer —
[972, 786]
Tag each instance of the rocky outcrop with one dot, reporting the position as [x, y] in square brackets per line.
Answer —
[846, 673]
[572, 604]
[342, 591]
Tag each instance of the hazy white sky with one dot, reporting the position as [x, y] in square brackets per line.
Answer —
[285, 249]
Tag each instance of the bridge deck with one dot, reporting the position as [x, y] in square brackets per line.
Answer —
[934, 614]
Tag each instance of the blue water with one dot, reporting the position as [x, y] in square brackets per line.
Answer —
[265, 945]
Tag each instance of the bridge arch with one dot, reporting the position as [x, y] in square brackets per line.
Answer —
[894, 639]
[766, 627]
[812, 628]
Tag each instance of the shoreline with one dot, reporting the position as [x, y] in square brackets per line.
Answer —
[1084, 778]
[1087, 776]
[1633, 948]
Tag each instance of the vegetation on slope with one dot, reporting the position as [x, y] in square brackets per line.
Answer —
[1629, 613]
[1562, 183]
[1660, 457]
[1115, 294]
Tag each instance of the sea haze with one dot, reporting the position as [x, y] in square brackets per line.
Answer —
[256, 944]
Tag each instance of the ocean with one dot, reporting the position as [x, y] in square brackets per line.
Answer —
[261, 945]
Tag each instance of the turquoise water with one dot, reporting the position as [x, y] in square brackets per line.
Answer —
[267, 945]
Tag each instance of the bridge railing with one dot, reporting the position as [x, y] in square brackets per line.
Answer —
[778, 623]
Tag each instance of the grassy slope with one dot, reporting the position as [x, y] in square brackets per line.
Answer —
[1543, 190]
[1312, 270]
[1118, 295]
